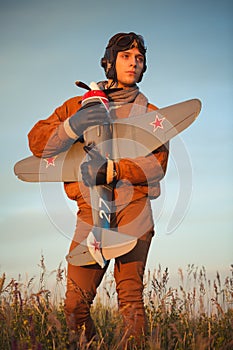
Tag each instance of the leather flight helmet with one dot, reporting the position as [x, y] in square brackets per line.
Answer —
[121, 42]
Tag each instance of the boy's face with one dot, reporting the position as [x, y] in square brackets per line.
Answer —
[129, 66]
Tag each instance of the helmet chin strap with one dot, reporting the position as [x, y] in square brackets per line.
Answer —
[111, 84]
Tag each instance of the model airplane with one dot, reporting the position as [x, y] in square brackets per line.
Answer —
[130, 137]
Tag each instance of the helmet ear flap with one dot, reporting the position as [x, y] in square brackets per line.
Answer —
[103, 62]
[107, 65]
[106, 61]
[143, 71]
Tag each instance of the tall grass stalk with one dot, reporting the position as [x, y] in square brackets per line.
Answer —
[197, 314]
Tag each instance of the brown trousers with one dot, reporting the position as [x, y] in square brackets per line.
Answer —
[128, 273]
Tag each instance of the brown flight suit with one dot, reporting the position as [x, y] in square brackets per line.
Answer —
[138, 183]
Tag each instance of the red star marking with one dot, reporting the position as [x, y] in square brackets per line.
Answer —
[96, 245]
[157, 123]
[50, 161]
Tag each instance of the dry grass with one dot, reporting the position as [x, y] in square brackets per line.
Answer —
[196, 315]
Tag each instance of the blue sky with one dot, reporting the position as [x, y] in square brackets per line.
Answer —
[46, 46]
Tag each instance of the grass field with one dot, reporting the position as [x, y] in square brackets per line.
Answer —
[198, 314]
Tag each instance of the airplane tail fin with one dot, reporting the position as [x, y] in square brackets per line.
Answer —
[100, 246]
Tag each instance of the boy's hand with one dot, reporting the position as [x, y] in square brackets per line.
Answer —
[93, 115]
[98, 170]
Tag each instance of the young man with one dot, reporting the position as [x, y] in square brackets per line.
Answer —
[136, 182]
